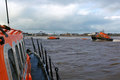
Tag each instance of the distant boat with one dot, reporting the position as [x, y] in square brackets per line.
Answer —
[52, 37]
[84, 38]
[101, 36]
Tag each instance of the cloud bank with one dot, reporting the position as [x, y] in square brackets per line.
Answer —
[76, 16]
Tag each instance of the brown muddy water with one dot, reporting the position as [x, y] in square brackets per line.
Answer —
[79, 59]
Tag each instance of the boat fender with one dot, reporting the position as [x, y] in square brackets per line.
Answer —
[2, 41]
[28, 77]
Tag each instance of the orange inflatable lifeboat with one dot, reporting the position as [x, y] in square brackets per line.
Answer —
[52, 37]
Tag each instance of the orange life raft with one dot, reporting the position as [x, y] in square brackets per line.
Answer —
[52, 37]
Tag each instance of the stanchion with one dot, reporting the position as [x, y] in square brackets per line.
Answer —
[38, 48]
[46, 61]
[42, 52]
[33, 45]
[50, 65]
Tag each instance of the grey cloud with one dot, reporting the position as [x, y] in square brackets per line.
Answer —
[36, 20]
[69, 24]
[111, 5]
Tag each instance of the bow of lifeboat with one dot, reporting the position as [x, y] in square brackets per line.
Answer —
[14, 62]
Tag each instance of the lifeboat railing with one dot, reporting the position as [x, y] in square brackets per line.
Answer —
[45, 61]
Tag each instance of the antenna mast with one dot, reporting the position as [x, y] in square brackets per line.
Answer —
[7, 12]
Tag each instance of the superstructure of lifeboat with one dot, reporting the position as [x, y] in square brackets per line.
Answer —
[101, 36]
[52, 37]
[14, 62]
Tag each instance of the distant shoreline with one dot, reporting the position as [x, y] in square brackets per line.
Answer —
[66, 36]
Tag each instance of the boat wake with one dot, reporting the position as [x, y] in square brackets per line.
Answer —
[116, 40]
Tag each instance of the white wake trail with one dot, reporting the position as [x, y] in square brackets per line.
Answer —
[116, 40]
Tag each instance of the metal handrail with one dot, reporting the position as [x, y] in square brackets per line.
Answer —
[46, 61]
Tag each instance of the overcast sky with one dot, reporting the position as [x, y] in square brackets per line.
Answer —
[61, 16]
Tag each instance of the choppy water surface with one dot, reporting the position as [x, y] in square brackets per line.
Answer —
[79, 59]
